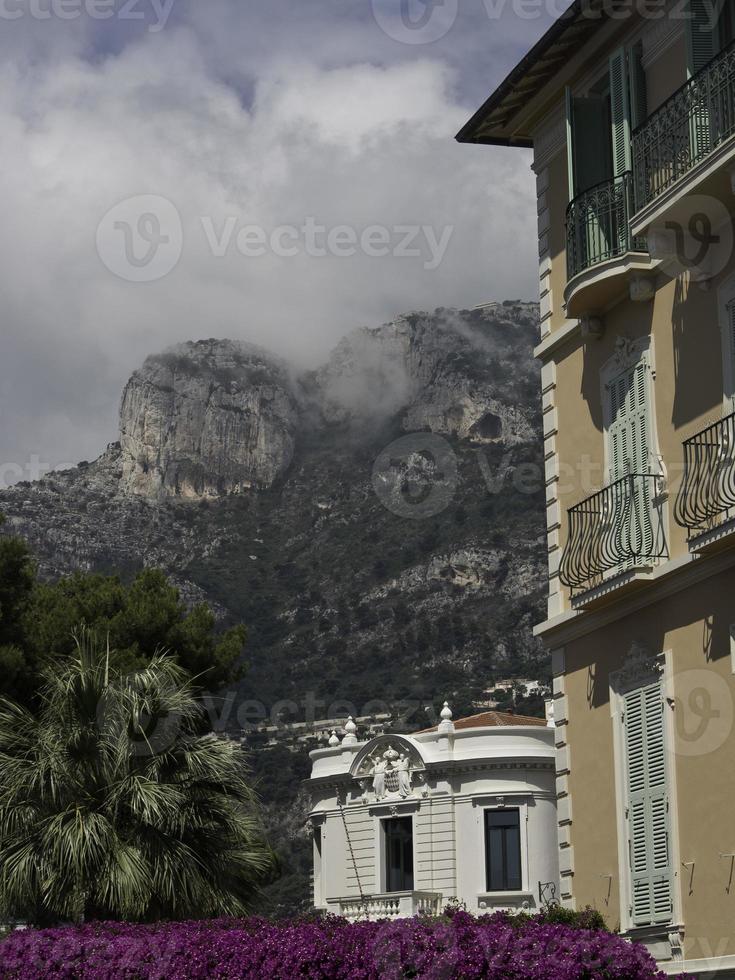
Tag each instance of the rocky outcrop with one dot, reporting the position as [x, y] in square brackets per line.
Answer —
[433, 368]
[206, 419]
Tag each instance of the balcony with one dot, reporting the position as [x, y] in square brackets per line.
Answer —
[690, 131]
[706, 501]
[390, 905]
[613, 535]
[600, 246]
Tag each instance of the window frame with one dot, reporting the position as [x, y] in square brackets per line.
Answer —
[384, 855]
[507, 888]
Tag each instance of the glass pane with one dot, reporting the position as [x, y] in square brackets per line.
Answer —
[495, 860]
[503, 850]
[513, 858]
[398, 854]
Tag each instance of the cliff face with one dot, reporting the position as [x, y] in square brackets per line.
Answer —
[446, 373]
[299, 508]
[206, 419]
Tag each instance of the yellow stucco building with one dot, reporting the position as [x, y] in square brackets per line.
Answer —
[630, 112]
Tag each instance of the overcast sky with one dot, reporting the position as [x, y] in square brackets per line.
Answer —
[280, 171]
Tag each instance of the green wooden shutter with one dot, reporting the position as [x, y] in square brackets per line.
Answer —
[629, 420]
[647, 807]
[701, 35]
[619, 113]
[637, 84]
[629, 455]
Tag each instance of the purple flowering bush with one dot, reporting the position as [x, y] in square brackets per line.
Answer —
[459, 947]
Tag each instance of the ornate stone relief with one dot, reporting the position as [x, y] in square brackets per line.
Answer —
[640, 665]
[390, 770]
[627, 352]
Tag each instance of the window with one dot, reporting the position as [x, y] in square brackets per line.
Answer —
[503, 850]
[647, 807]
[600, 121]
[398, 840]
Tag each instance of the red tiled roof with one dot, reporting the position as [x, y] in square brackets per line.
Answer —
[493, 719]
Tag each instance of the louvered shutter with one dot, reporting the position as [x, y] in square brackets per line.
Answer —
[730, 373]
[629, 424]
[637, 86]
[629, 455]
[648, 816]
[619, 113]
[701, 35]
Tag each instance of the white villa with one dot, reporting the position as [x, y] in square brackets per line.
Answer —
[465, 811]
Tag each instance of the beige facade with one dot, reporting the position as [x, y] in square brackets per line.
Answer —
[637, 285]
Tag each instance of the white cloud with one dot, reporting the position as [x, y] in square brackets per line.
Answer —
[351, 145]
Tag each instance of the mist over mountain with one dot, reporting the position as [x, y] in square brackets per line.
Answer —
[365, 520]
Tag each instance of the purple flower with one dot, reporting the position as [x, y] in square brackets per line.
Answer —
[447, 948]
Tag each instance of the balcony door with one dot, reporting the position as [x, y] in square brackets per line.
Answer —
[398, 849]
[628, 524]
[599, 158]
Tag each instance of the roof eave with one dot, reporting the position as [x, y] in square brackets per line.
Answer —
[531, 66]
[522, 142]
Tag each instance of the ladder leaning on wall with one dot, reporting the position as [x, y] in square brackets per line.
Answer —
[363, 900]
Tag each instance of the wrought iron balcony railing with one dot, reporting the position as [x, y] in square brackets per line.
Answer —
[696, 119]
[707, 495]
[598, 225]
[618, 529]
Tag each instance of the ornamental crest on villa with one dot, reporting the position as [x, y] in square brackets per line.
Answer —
[389, 767]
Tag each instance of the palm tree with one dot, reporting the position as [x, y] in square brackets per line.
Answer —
[114, 803]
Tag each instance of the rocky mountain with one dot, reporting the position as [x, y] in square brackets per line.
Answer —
[367, 521]
[206, 419]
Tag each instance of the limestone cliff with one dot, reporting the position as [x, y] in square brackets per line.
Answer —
[206, 419]
[447, 372]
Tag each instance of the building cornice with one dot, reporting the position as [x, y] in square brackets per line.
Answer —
[668, 579]
[559, 338]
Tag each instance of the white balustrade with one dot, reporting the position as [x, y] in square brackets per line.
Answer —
[391, 905]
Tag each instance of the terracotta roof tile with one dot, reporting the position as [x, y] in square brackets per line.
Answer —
[493, 719]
